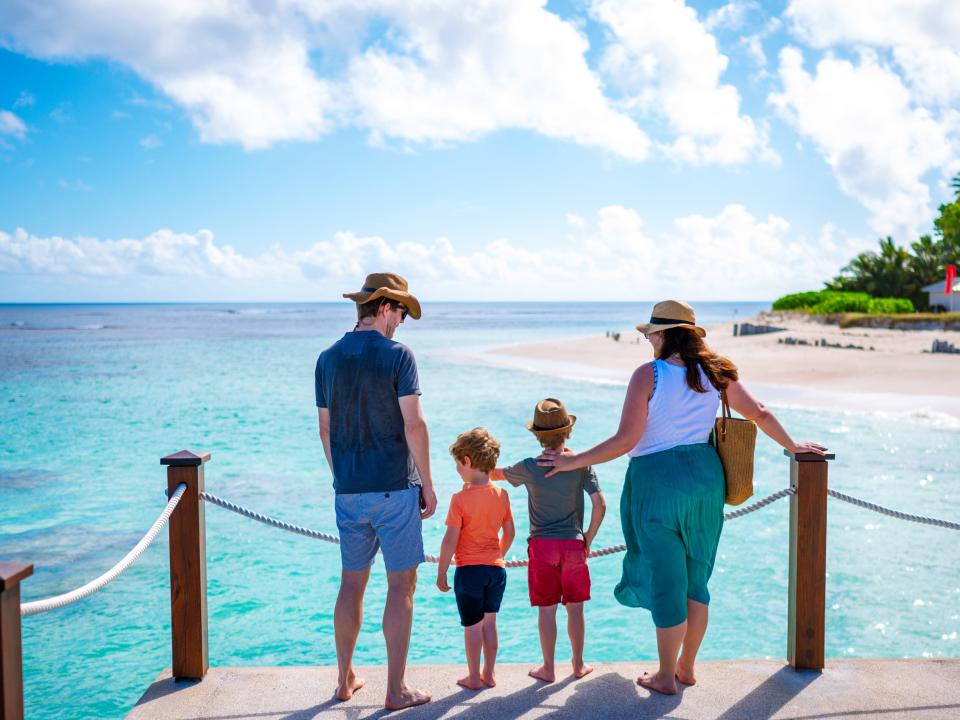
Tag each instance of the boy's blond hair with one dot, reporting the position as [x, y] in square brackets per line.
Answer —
[553, 440]
[480, 446]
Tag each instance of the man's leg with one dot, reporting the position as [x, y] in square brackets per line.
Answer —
[347, 618]
[397, 625]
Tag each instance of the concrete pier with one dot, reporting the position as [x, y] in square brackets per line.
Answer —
[728, 690]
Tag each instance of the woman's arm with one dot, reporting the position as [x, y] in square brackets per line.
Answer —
[633, 418]
[752, 409]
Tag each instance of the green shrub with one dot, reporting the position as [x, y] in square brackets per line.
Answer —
[841, 302]
[798, 301]
[889, 306]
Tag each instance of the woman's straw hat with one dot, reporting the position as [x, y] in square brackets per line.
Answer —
[671, 314]
[388, 285]
[550, 416]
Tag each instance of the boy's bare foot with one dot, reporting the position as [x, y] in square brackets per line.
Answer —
[666, 686]
[471, 683]
[346, 689]
[582, 671]
[408, 697]
[488, 679]
[686, 676]
[542, 673]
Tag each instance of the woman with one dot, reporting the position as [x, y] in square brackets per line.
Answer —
[672, 504]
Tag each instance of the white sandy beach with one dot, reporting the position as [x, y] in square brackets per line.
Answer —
[896, 376]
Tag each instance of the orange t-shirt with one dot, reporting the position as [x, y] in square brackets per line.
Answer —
[479, 511]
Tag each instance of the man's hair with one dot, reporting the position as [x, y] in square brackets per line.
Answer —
[553, 440]
[478, 445]
[372, 308]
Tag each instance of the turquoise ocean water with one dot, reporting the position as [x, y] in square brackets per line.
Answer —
[92, 396]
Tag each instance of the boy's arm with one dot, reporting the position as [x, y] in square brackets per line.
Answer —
[497, 475]
[597, 512]
[447, 548]
[506, 539]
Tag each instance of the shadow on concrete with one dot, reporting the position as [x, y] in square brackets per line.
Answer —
[945, 712]
[613, 696]
[766, 699]
[161, 688]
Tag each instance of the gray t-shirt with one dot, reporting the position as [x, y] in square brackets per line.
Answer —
[555, 503]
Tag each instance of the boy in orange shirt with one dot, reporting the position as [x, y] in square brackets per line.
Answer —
[477, 515]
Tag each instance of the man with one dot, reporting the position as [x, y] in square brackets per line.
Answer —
[376, 442]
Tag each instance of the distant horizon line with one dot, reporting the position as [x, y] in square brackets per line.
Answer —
[5, 303]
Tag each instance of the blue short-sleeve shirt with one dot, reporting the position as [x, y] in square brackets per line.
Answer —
[359, 379]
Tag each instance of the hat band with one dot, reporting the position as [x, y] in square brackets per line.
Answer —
[669, 321]
[538, 428]
[370, 290]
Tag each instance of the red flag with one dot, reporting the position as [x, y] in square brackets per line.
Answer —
[951, 276]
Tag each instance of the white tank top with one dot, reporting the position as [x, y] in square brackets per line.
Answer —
[676, 414]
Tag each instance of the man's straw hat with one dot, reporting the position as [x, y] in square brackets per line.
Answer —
[550, 416]
[388, 285]
[671, 314]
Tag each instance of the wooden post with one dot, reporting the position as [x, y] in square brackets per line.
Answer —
[188, 567]
[808, 560]
[11, 649]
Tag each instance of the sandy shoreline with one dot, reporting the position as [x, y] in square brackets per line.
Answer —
[896, 376]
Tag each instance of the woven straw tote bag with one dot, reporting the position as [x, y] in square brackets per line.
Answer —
[735, 440]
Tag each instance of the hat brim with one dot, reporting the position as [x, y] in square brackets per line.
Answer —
[553, 431]
[412, 304]
[648, 328]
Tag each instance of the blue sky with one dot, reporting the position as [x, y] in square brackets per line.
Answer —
[486, 149]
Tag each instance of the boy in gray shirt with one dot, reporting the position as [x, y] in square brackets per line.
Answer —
[558, 546]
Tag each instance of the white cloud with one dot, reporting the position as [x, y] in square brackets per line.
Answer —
[924, 36]
[576, 221]
[25, 100]
[439, 72]
[878, 143]
[732, 255]
[77, 185]
[150, 142]
[668, 65]
[731, 16]
[10, 124]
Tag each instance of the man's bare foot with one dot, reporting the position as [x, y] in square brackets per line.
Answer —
[686, 676]
[471, 683]
[488, 679]
[666, 686]
[408, 697]
[542, 673]
[582, 671]
[345, 690]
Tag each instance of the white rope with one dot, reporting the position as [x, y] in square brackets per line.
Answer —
[893, 513]
[59, 601]
[315, 534]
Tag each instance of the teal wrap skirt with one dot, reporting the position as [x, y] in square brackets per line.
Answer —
[671, 511]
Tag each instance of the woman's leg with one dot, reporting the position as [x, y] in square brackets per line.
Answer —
[490, 645]
[697, 615]
[669, 640]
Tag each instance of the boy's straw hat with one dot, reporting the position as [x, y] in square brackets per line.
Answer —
[671, 314]
[550, 416]
[388, 285]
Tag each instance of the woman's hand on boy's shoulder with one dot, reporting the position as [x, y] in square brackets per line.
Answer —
[559, 460]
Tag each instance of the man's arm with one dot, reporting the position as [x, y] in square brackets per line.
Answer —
[597, 512]
[418, 440]
[447, 548]
[324, 416]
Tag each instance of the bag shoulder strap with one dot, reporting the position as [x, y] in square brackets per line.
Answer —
[725, 415]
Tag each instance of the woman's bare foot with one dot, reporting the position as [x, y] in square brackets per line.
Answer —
[582, 670]
[543, 673]
[666, 686]
[471, 683]
[488, 679]
[686, 676]
[345, 690]
[408, 697]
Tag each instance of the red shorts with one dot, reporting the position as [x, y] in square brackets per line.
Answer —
[557, 572]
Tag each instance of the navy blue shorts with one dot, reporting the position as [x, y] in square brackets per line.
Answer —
[479, 589]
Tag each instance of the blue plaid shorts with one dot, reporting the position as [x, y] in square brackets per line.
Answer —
[375, 520]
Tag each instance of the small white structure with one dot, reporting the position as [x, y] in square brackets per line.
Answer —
[939, 298]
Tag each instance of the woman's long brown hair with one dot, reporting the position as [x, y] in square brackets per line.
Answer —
[695, 354]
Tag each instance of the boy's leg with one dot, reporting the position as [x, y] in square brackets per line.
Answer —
[491, 643]
[547, 621]
[468, 589]
[576, 631]
[473, 641]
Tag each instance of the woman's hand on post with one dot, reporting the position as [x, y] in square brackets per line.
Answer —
[559, 461]
[807, 446]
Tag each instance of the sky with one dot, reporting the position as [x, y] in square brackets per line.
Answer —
[486, 150]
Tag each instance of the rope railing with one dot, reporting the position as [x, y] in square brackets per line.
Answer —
[326, 537]
[59, 601]
[922, 519]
